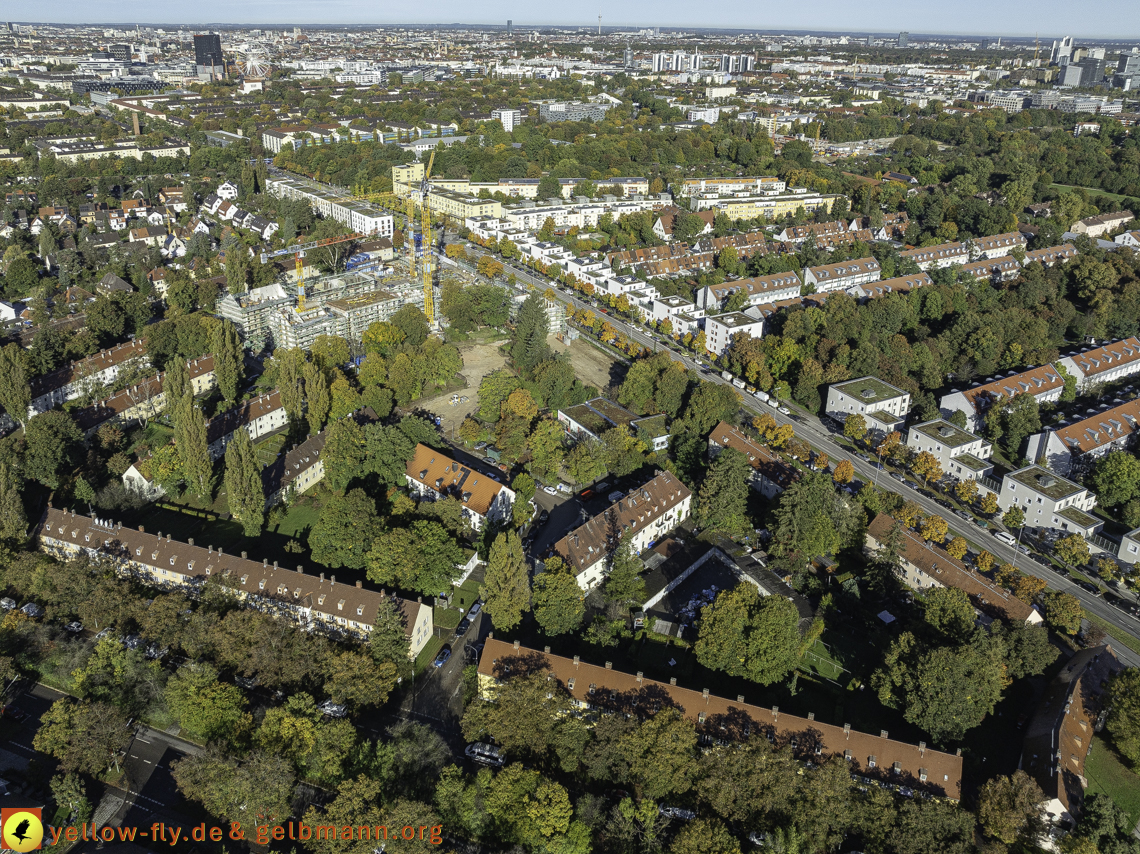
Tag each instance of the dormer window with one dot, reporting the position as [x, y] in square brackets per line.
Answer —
[172, 561]
[244, 578]
[321, 599]
[261, 584]
[340, 605]
[360, 610]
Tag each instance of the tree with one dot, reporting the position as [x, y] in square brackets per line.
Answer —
[345, 530]
[662, 753]
[844, 472]
[1123, 721]
[421, 558]
[505, 590]
[549, 187]
[13, 519]
[949, 612]
[545, 443]
[15, 385]
[344, 453]
[747, 635]
[984, 561]
[261, 784]
[926, 466]
[586, 461]
[228, 359]
[205, 707]
[528, 343]
[1116, 478]
[704, 836]
[175, 386]
[357, 679]
[245, 489]
[1014, 517]
[934, 529]
[84, 737]
[1011, 808]
[966, 490]
[809, 521]
[190, 442]
[388, 640]
[957, 548]
[1063, 611]
[345, 398]
[316, 396]
[723, 505]
[1072, 549]
[290, 366]
[412, 322]
[559, 603]
[855, 427]
[388, 450]
[989, 504]
[52, 445]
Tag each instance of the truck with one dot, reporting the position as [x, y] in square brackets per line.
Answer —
[762, 395]
[725, 375]
[739, 383]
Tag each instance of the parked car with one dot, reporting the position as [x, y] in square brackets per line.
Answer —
[480, 445]
[783, 410]
[616, 495]
[475, 608]
[772, 402]
[550, 490]
[442, 657]
[963, 514]
[484, 754]
[676, 812]
[1004, 537]
[462, 628]
[75, 627]
[7, 603]
[333, 710]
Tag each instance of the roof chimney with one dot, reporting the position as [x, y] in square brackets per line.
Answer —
[332, 579]
[672, 680]
[159, 533]
[322, 576]
[142, 530]
[740, 698]
[274, 562]
[882, 733]
[811, 716]
[847, 730]
[922, 748]
[776, 712]
[190, 541]
[516, 644]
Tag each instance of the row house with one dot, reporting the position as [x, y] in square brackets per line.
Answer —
[1095, 226]
[92, 372]
[924, 566]
[593, 690]
[843, 275]
[961, 454]
[1105, 364]
[1051, 255]
[942, 255]
[642, 518]
[997, 245]
[432, 475]
[799, 233]
[1049, 501]
[144, 399]
[846, 238]
[885, 287]
[1068, 448]
[1131, 239]
[258, 417]
[311, 601]
[893, 227]
[770, 474]
[1044, 383]
[999, 270]
[759, 289]
[694, 262]
[746, 245]
[149, 235]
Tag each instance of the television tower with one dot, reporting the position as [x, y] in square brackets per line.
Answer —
[599, 25]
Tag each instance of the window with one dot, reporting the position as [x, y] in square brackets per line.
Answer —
[871, 762]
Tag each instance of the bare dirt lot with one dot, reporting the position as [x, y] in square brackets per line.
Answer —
[591, 365]
[478, 361]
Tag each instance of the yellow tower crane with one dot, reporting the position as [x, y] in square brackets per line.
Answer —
[425, 230]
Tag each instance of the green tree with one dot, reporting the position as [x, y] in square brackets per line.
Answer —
[52, 447]
[423, 557]
[15, 385]
[948, 611]
[175, 386]
[84, 737]
[228, 359]
[412, 322]
[723, 504]
[388, 640]
[1123, 721]
[745, 634]
[1063, 611]
[345, 530]
[1072, 549]
[528, 343]
[205, 707]
[344, 453]
[505, 589]
[245, 490]
[559, 603]
[388, 450]
[549, 187]
[1012, 808]
[290, 367]
[809, 519]
[662, 754]
[494, 388]
[231, 788]
[1116, 478]
[316, 397]
[13, 518]
[1014, 517]
[190, 442]
[855, 427]
[704, 836]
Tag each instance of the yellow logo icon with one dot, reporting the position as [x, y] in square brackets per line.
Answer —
[23, 830]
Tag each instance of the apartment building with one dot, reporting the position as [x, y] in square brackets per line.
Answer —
[572, 111]
[1069, 449]
[998, 270]
[1051, 255]
[760, 290]
[885, 287]
[1108, 363]
[1049, 500]
[432, 475]
[596, 689]
[358, 216]
[507, 117]
[769, 206]
[93, 372]
[844, 275]
[961, 454]
[301, 467]
[310, 601]
[1044, 383]
[924, 566]
[770, 474]
[144, 399]
[720, 328]
[259, 417]
[460, 206]
[997, 245]
[644, 516]
[882, 404]
[759, 185]
[590, 419]
[1096, 226]
[942, 255]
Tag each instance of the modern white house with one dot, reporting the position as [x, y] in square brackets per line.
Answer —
[961, 454]
[883, 405]
[719, 329]
[1044, 383]
[1049, 500]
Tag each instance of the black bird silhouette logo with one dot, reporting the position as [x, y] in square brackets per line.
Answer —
[21, 830]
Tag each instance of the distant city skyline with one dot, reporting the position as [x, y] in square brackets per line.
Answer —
[1113, 19]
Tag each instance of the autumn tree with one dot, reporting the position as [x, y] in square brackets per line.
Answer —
[245, 490]
[1073, 549]
[855, 427]
[745, 634]
[844, 472]
[505, 589]
[1012, 808]
[559, 603]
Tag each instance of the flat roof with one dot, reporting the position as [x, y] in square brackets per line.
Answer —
[945, 433]
[1046, 482]
[734, 319]
[869, 390]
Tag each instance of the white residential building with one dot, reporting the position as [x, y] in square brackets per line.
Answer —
[1049, 500]
[432, 475]
[961, 455]
[1068, 447]
[1105, 364]
[882, 404]
[720, 328]
[843, 275]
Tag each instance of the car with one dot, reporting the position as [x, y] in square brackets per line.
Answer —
[15, 713]
[462, 628]
[484, 754]
[1004, 537]
[981, 523]
[676, 812]
[7, 603]
[475, 608]
[442, 657]
[1023, 549]
[963, 514]
[550, 490]
[864, 457]
[333, 710]
[616, 495]
[783, 410]
[1090, 587]
[75, 627]
[586, 493]
[480, 445]
[102, 634]
[247, 682]
[1022, 719]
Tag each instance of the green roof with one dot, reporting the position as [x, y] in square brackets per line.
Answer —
[973, 463]
[587, 417]
[1046, 482]
[946, 433]
[1079, 517]
[870, 390]
[654, 426]
[884, 417]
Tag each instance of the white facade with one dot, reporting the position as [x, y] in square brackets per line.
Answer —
[864, 396]
[1049, 500]
[720, 328]
[956, 450]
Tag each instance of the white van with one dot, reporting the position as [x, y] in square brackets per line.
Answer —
[1005, 538]
[762, 395]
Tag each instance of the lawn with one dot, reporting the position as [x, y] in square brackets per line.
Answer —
[1091, 191]
[1108, 775]
[819, 661]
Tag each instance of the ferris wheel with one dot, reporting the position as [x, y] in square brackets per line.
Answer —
[252, 61]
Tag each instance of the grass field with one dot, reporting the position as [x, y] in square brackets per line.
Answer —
[818, 660]
[1092, 191]
[1108, 775]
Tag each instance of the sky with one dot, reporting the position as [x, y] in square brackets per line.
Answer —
[1116, 19]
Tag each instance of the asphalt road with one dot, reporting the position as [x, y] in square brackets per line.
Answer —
[810, 429]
